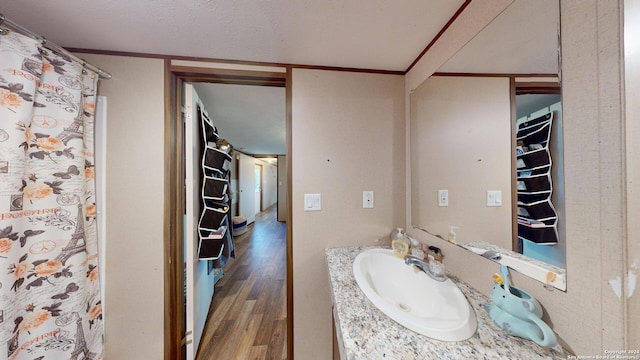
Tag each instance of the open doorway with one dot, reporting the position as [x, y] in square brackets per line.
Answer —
[179, 336]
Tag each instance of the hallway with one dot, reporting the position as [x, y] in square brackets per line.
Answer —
[247, 317]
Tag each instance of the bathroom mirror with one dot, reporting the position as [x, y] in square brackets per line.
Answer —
[464, 125]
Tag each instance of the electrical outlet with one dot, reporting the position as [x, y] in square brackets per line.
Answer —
[367, 199]
[443, 197]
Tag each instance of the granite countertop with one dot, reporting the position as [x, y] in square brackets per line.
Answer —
[369, 334]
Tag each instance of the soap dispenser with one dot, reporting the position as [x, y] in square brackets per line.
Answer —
[400, 243]
[452, 235]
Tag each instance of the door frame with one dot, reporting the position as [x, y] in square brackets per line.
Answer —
[174, 202]
[259, 166]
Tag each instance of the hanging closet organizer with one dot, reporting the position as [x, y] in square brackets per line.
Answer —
[214, 228]
[537, 218]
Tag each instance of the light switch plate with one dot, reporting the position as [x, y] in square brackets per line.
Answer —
[494, 198]
[312, 202]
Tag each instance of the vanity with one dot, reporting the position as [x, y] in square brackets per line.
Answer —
[362, 331]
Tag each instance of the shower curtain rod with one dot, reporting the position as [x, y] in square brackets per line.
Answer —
[53, 46]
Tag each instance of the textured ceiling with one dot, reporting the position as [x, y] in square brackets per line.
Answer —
[376, 34]
[523, 39]
[251, 118]
[372, 34]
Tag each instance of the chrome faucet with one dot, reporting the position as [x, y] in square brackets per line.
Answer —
[433, 268]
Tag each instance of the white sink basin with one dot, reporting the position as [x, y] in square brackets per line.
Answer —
[407, 295]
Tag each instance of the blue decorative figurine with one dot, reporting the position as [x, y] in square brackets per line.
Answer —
[518, 313]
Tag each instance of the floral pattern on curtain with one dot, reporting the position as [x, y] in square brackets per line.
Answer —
[49, 285]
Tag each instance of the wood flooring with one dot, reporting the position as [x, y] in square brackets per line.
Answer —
[248, 315]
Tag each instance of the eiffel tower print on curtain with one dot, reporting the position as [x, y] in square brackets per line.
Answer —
[73, 131]
[76, 244]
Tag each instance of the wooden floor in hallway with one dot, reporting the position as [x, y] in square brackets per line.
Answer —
[248, 315]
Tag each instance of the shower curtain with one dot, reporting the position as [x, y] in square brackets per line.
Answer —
[49, 284]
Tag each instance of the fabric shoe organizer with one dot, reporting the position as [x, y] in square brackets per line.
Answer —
[537, 218]
[214, 227]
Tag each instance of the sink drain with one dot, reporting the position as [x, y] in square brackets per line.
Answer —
[404, 307]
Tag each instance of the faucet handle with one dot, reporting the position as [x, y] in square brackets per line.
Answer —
[437, 268]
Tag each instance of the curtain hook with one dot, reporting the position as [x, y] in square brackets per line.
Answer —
[43, 43]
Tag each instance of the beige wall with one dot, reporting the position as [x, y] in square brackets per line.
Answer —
[632, 89]
[356, 121]
[461, 142]
[588, 317]
[348, 136]
[134, 301]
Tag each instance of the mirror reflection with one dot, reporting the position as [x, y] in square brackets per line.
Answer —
[497, 96]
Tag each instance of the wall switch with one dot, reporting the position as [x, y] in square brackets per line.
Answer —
[443, 197]
[367, 199]
[494, 198]
[312, 202]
